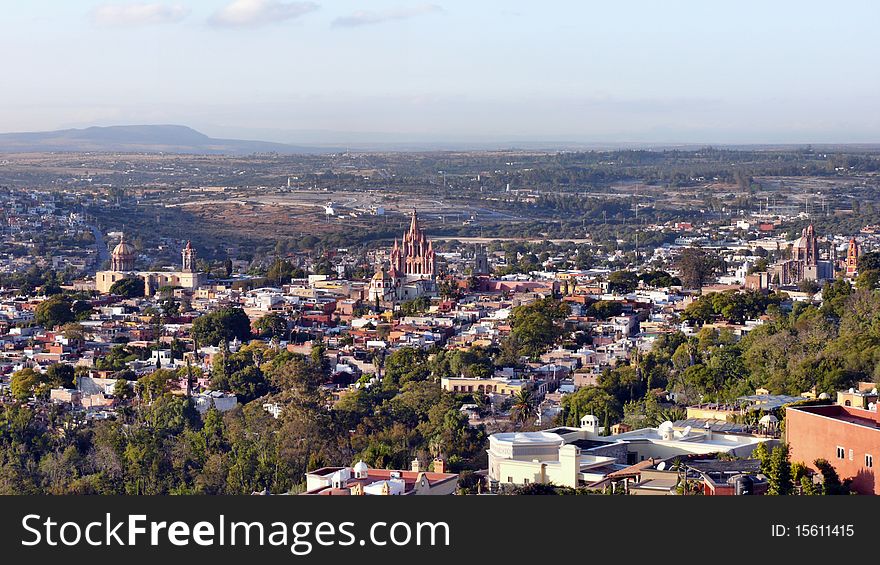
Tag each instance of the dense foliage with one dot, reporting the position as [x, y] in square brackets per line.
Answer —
[161, 445]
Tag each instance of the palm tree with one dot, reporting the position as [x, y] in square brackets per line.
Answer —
[669, 414]
[523, 405]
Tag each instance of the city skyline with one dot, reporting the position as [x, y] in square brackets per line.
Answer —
[320, 72]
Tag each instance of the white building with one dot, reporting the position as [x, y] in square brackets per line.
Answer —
[214, 399]
[575, 457]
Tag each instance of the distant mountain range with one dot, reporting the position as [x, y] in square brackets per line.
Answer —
[185, 140]
[140, 139]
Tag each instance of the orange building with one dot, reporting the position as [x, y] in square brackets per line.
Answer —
[847, 437]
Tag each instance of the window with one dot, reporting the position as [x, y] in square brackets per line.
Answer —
[869, 460]
[525, 481]
[509, 479]
[850, 454]
[840, 452]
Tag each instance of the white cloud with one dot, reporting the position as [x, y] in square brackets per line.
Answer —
[113, 15]
[243, 13]
[361, 18]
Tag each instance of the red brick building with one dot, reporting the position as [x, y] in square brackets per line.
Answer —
[847, 437]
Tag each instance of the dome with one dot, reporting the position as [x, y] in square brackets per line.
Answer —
[123, 249]
[360, 470]
[768, 419]
[665, 426]
[381, 275]
[824, 396]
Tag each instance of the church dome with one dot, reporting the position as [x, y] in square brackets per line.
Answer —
[382, 275]
[124, 249]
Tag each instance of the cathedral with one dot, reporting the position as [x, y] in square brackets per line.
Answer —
[804, 264]
[122, 266]
[413, 268]
[414, 257]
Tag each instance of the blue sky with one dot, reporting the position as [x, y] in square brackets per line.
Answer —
[638, 71]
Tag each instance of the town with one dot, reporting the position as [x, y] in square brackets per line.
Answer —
[327, 336]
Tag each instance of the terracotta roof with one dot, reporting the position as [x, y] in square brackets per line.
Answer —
[632, 470]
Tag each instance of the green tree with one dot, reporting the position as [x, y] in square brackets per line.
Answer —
[54, 311]
[123, 390]
[523, 406]
[592, 400]
[538, 325]
[696, 266]
[605, 309]
[24, 383]
[779, 477]
[280, 272]
[129, 287]
[271, 325]
[404, 365]
[623, 282]
[831, 484]
[60, 375]
[222, 325]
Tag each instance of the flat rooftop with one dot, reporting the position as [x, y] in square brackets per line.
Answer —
[528, 437]
[590, 443]
[855, 416]
[720, 426]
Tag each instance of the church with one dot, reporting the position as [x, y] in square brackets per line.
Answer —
[122, 266]
[413, 269]
[851, 264]
[805, 264]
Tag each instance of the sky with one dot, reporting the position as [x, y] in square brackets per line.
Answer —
[652, 71]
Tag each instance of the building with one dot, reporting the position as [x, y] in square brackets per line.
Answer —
[361, 480]
[220, 401]
[413, 269]
[415, 256]
[730, 477]
[494, 385]
[864, 397]
[845, 436]
[804, 264]
[852, 258]
[582, 457]
[544, 457]
[122, 266]
[481, 262]
[761, 401]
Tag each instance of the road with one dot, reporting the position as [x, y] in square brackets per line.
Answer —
[101, 246]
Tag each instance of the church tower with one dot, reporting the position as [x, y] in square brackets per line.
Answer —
[414, 256]
[481, 262]
[189, 258]
[852, 258]
[806, 248]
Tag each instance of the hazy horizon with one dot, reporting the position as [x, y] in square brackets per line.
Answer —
[449, 71]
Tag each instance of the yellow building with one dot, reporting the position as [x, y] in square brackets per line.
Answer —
[497, 386]
[122, 267]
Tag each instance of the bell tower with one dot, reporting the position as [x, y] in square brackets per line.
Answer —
[852, 258]
[189, 258]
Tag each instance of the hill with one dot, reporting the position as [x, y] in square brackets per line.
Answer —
[140, 139]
